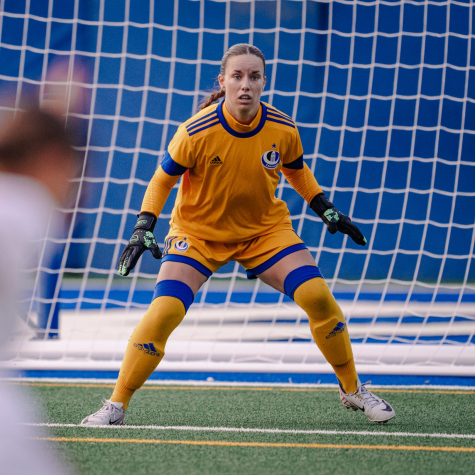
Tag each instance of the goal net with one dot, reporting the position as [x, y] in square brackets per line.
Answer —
[383, 94]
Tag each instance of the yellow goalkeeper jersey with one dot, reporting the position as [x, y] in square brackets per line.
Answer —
[231, 172]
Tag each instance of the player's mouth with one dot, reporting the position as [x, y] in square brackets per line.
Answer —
[244, 99]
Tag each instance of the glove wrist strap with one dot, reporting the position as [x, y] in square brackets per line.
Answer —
[146, 221]
[320, 203]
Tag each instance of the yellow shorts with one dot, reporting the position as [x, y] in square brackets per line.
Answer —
[255, 255]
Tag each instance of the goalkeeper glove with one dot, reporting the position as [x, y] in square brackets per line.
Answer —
[335, 220]
[141, 240]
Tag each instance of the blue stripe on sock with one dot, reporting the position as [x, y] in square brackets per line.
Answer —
[177, 289]
[298, 276]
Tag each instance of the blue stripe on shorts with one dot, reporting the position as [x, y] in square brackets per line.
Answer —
[252, 273]
[190, 261]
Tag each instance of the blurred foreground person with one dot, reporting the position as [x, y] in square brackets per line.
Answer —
[37, 163]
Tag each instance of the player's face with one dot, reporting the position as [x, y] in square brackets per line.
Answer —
[244, 82]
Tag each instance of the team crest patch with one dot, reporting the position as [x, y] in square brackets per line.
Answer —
[270, 159]
[181, 246]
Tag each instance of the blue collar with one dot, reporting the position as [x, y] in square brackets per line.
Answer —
[242, 135]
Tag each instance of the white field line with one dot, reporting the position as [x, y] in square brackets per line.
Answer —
[264, 431]
[177, 382]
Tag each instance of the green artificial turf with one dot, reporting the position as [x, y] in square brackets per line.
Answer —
[416, 412]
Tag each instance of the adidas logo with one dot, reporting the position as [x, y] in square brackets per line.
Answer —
[340, 328]
[147, 348]
[216, 161]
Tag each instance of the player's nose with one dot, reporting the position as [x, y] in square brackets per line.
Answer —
[245, 84]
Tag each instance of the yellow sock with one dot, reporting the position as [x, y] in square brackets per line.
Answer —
[146, 346]
[347, 375]
[329, 329]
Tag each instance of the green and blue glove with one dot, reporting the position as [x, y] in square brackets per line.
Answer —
[141, 240]
[335, 220]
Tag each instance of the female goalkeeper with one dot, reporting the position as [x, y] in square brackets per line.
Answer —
[229, 156]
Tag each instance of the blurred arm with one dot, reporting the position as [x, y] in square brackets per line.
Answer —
[157, 191]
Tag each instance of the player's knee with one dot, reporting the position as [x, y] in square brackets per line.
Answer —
[296, 278]
[171, 300]
[309, 290]
[176, 289]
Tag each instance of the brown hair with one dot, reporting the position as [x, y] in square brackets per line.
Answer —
[235, 50]
[28, 133]
[36, 144]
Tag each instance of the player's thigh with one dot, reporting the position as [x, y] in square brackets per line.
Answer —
[185, 273]
[275, 275]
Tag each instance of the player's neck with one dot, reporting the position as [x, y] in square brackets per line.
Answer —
[239, 126]
[244, 117]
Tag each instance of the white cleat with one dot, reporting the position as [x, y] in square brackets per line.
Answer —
[375, 408]
[111, 414]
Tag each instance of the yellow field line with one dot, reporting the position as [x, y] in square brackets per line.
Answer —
[221, 388]
[259, 444]
[72, 385]
[187, 388]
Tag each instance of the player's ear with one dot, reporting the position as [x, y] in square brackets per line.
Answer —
[221, 81]
[264, 85]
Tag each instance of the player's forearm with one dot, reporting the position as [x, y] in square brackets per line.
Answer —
[157, 192]
[303, 182]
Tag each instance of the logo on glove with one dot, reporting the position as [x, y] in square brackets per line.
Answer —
[331, 215]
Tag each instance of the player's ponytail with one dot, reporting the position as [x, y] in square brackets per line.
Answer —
[235, 50]
[214, 96]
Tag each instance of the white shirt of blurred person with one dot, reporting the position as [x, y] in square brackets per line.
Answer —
[36, 164]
